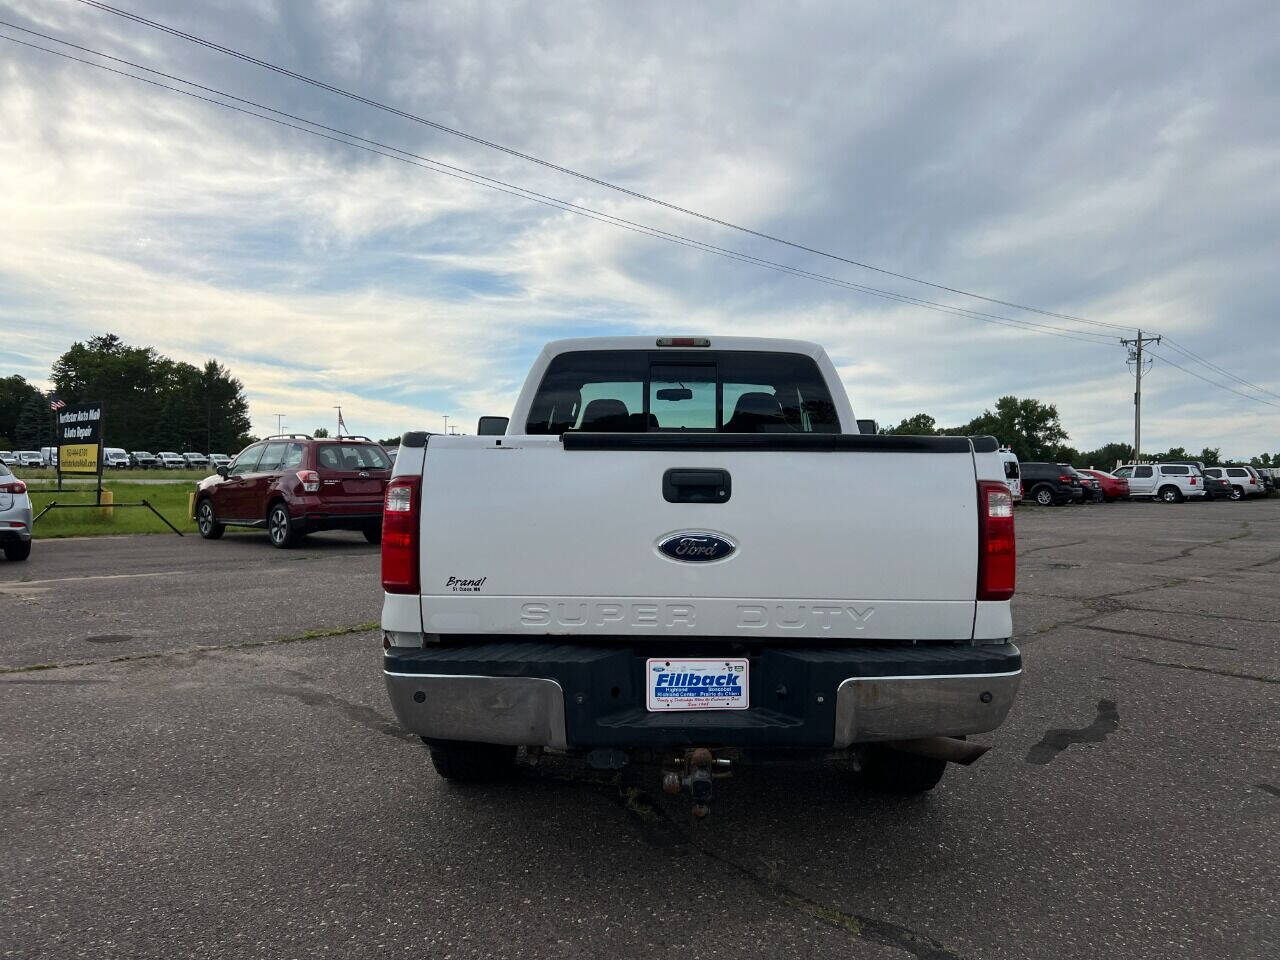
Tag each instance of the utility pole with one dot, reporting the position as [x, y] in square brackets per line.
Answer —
[1135, 357]
[446, 424]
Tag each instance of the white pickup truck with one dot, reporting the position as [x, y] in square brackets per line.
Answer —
[681, 549]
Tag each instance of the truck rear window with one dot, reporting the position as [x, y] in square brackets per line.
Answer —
[638, 391]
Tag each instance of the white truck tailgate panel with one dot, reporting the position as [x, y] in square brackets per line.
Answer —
[530, 538]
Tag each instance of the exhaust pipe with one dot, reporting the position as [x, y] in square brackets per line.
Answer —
[951, 749]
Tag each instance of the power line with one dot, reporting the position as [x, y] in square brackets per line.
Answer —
[1207, 380]
[404, 156]
[1214, 366]
[453, 131]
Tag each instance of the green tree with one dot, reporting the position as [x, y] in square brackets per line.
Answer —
[1105, 457]
[320, 432]
[153, 402]
[34, 428]
[1029, 428]
[921, 425]
[14, 394]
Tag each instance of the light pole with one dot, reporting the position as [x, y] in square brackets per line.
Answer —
[279, 423]
[446, 424]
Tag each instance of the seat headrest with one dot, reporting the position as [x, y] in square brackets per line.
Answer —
[756, 412]
[605, 415]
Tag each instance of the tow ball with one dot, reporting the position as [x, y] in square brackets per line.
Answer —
[696, 772]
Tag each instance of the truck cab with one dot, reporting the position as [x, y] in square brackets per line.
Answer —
[683, 547]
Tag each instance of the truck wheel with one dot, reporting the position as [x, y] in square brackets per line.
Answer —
[17, 549]
[283, 531]
[1170, 494]
[206, 522]
[1044, 497]
[890, 771]
[460, 761]
[373, 534]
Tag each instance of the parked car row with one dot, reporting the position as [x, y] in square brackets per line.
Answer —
[116, 458]
[1055, 484]
[165, 460]
[23, 458]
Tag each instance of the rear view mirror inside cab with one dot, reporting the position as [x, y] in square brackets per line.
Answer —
[674, 393]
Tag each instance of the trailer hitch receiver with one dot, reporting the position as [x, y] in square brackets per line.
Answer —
[695, 772]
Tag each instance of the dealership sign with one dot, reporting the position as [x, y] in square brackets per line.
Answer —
[80, 439]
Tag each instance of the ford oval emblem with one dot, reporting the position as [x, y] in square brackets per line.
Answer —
[696, 546]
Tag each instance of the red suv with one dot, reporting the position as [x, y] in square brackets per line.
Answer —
[295, 484]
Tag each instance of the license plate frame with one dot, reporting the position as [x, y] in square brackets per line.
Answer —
[690, 691]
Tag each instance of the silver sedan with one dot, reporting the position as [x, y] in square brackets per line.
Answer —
[15, 516]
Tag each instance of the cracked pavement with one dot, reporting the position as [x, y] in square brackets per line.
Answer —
[220, 776]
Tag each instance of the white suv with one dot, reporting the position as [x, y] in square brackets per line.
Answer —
[1244, 481]
[1170, 482]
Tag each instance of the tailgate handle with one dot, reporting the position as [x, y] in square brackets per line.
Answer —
[696, 486]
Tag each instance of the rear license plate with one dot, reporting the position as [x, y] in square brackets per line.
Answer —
[696, 684]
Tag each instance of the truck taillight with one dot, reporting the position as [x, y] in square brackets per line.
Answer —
[997, 551]
[400, 514]
[310, 480]
[13, 486]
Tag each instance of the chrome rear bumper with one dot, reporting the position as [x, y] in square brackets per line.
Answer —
[523, 711]
[530, 711]
[907, 707]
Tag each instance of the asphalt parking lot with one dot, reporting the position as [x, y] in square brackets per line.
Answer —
[199, 760]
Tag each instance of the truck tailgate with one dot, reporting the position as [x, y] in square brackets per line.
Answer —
[526, 535]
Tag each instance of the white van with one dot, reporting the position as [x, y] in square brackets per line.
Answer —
[48, 456]
[115, 458]
[1012, 473]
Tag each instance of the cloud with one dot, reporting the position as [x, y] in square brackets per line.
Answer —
[1117, 164]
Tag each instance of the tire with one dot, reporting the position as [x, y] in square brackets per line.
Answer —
[461, 762]
[373, 534]
[1170, 494]
[1237, 493]
[206, 522]
[17, 550]
[281, 528]
[1043, 496]
[890, 771]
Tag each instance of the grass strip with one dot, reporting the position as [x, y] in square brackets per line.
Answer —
[169, 498]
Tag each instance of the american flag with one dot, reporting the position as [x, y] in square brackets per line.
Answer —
[54, 403]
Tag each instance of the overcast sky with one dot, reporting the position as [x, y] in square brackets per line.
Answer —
[1118, 162]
